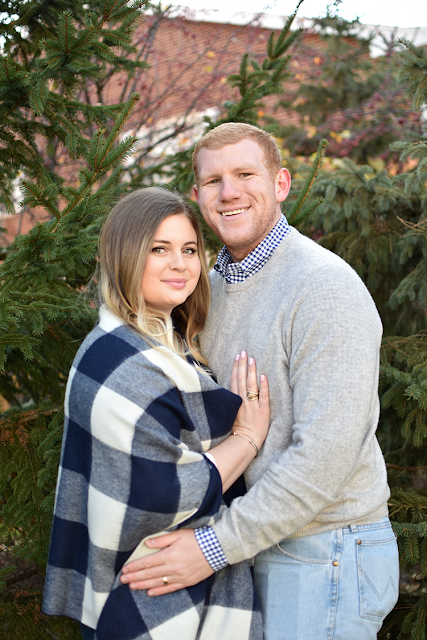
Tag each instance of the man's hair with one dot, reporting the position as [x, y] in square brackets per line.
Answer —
[125, 242]
[234, 132]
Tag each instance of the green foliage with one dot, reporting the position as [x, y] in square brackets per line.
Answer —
[414, 71]
[348, 77]
[41, 76]
[298, 212]
[263, 80]
[43, 314]
[342, 94]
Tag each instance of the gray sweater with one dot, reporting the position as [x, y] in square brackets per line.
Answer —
[313, 328]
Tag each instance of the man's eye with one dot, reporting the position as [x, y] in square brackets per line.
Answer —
[245, 175]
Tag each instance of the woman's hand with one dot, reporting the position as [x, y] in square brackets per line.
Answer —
[253, 418]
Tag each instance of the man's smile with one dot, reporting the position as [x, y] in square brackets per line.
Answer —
[233, 212]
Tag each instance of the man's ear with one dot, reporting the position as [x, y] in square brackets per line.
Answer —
[283, 184]
[196, 193]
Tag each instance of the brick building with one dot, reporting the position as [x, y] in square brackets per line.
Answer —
[190, 56]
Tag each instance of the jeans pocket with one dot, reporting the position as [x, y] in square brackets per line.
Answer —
[316, 549]
[378, 576]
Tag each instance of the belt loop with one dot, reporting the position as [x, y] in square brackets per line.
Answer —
[353, 528]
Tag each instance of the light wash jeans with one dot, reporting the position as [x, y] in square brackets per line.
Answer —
[338, 585]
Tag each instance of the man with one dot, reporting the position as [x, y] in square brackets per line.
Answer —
[315, 515]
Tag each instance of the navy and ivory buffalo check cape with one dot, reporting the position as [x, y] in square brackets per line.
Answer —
[137, 421]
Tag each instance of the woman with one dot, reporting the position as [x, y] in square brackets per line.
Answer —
[140, 413]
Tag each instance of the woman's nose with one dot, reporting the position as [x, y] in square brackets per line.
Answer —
[177, 261]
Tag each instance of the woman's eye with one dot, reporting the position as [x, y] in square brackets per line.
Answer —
[157, 250]
[190, 251]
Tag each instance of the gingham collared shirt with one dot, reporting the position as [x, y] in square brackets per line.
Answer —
[235, 272]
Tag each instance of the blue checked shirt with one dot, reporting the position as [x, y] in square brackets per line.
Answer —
[234, 272]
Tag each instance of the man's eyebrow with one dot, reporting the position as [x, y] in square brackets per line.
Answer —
[242, 169]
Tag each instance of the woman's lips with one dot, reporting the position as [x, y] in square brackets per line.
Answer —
[176, 284]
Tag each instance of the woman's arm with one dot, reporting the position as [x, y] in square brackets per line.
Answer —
[250, 428]
[231, 458]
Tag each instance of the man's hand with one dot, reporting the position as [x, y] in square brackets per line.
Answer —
[181, 561]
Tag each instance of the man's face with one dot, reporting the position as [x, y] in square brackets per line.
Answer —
[238, 196]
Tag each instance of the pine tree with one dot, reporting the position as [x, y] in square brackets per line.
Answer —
[43, 315]
[378, 223]
[50, 55]
[345, 95]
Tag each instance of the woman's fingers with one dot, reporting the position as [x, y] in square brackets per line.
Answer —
[242, 375]
[252, 383]
[234, 386]
[253, 417]
[264, 394]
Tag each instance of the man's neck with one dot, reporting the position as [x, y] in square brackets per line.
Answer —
[237, 255]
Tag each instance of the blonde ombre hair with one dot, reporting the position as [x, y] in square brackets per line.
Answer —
[125, 242]
[234, 132]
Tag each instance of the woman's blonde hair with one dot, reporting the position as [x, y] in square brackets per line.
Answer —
[125, 242]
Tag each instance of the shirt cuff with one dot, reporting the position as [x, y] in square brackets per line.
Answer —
[210, 457]
[212, 550]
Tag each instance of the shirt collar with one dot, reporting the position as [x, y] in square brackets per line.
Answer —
[234, 272]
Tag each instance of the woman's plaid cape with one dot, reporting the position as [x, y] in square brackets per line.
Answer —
[138, 420]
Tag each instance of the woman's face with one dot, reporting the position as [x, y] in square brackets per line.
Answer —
[172, 269]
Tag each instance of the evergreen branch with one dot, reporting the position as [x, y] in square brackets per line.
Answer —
[66, 16]
[42, 198]
[307, 211]
[28, 417]
[284, 41]
[396, 466]
[414, 70]
[22, 576]
[305, 191]
[14, 107]
[128, 107]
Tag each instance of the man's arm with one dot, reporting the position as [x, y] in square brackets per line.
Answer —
[332, 336]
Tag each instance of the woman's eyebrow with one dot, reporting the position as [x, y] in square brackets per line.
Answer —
[169, 242]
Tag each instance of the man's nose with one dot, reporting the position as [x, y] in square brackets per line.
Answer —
[229, 190]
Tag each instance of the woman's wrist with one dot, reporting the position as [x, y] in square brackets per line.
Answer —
[249, 434]
[232, 457]
[251, 442]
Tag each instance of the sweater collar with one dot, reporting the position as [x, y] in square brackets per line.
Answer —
[234, 272]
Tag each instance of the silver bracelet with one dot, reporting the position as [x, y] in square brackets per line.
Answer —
[249, 440]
